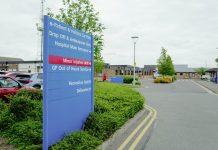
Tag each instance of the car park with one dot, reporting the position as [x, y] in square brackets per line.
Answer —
[9, 86]
[12, 74]
[205, 77]
[31, 80]
[23, 78]
[36, 81]
[3, 73]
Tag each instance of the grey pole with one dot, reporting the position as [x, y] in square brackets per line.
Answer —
[217, 72]
[42, 21]
[134, 40]
[134, 65]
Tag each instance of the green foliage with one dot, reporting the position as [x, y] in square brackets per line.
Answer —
[129, 79]
[6, 118]
[118, 103]
[26, 134]
[201, 71]
[164, 79]
[80, 140]
[81, 15]
[2, 105]
[31, 94]
[104, 125]
[216, 60]
[165, 64]
[114, 105]
[102, 106]
[21, 106]
[98, 66]
[138, 83]
[21, 120]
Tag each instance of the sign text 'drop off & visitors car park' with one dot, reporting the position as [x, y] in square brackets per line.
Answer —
[68, 80]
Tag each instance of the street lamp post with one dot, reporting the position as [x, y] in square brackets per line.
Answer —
[217, 70]
[135, 38]
[40, 29]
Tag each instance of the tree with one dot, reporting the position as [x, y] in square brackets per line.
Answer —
[170, 66]
[99, 66]
[81, 15]
[216, 60]
[165, 64]
[201, 71]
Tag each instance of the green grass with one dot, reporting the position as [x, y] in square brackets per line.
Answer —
[114, 105]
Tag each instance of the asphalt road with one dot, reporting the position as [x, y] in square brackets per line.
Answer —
[187, 116]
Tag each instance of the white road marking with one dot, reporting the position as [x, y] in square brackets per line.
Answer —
[206, 89]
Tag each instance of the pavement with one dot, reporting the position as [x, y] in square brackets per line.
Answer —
[4, 145]
[210, 85]
[187, 116]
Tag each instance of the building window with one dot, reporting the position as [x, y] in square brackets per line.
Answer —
[181, 74]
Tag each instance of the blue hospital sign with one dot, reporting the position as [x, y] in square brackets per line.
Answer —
[68, 80]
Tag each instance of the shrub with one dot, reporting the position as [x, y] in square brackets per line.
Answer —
[77, 141]
[21, 107]
[102, 106]
[114, 105]
[2, 105]
[6, 119]
[129, 79]
[157, 80]
[138, 83]
[26, 134]
[32, 94]
[104, 125]
[21, 122]
[164, 79]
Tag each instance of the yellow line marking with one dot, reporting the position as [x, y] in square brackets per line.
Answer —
[123, 145]
[138, 139]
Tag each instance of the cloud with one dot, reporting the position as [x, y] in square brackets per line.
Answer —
[187, 28]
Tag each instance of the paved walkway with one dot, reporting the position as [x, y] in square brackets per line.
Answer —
[4, 145]
[210, 85]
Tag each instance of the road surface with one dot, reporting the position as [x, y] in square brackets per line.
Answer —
[187, 116]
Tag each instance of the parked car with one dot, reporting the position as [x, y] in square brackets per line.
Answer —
[9, 86]
[36, 81]
[12, 74]
[23, 78]
[3, 73]
[31, 80]
[205, 77]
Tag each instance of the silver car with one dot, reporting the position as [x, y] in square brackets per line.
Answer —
[36, 81]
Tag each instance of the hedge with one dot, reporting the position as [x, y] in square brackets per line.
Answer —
[164, 79]
[129, 79]
[114, 105]
[21, 118]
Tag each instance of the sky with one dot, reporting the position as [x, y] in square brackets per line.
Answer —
[188, 29]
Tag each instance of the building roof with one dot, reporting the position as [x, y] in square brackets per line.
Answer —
[8, 59]
[124, 67]
[183, 68]
[212, 70]
[150, 67]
